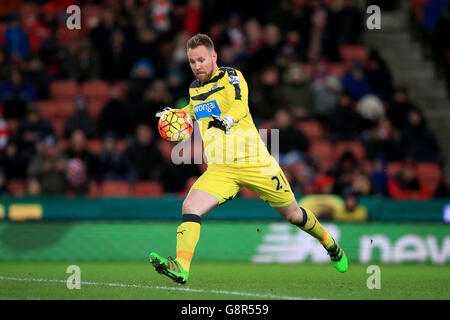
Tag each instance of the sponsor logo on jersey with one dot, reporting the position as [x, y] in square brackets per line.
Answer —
[206, 109]
[233, 79]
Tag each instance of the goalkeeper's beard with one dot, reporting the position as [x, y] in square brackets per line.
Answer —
[203, 77]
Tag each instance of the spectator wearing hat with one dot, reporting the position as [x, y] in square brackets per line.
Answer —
[418, 142]
[115, 115]
[299, 92]
[81, 164]
[399, 108]
[46, 172]
[344, 121]
[16, 94]
[16, 39]
[443, 188]
[355, 82]
[143, 160]
[110, 164]
[31, 130]
[80, 119]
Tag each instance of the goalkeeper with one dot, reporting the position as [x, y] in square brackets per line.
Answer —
[237, 157]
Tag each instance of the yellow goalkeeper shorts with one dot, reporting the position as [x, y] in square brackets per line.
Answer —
[267, 181]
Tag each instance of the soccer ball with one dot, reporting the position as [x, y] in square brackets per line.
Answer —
[175, 126]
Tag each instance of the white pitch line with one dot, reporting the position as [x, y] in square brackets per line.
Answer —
[122, 285]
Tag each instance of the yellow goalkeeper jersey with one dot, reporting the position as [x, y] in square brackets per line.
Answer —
[226, 93]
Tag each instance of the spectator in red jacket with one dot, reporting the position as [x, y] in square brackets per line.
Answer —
[406, 185]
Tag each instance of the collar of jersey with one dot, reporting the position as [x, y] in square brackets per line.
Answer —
[217, 76]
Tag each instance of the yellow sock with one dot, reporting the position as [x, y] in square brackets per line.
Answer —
[188, 234]
[313, 227]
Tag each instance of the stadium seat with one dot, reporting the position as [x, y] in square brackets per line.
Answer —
[58, 126]
[312, 129]
[356, 148]
[323, 152]
[95, 89]
[17, 187]
[121, 145]
[368, 167]
[63, 144]
[338, 69]
[3, 26]
[429, 174]
[63, 89]
[28, 9]
[267, 124]
[94, 189]
[95, 145]
[148, 188]
[48, 109]
[13, 124]
[393, 168]
[115, 189]
[95, 106]
[308, 68]
[65, 108]
[351, 53]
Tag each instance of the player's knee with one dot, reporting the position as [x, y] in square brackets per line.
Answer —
[190, 207]
[187, 206]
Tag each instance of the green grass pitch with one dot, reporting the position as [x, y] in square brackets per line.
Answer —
[226, 281]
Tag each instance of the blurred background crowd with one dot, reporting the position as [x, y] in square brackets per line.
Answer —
[77, 106]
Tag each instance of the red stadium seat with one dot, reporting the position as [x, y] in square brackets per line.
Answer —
[323, 152]
[312, 129]
[267, 124]
[13, 124]
[65, 108]
[58, 126]
[115, 189]
[95, 89]
[63, 89]
[48, 108]
[429, 174]
[95, 145]
[121, 145]
[308, 68]
[95, 106]
[356, 148]
[17, 187]
[337, 69]
[351, 53]
[148, 188]
[94, 189]
[393, 168]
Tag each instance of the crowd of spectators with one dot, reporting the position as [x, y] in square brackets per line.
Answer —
[286, 49]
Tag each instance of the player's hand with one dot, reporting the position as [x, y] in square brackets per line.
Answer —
[159, 114]
[224, 123]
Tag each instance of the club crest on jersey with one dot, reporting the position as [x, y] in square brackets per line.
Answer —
[233, 79]
[207, 109]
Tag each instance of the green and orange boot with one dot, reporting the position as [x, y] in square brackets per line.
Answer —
[169, 267]
[338, 257]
